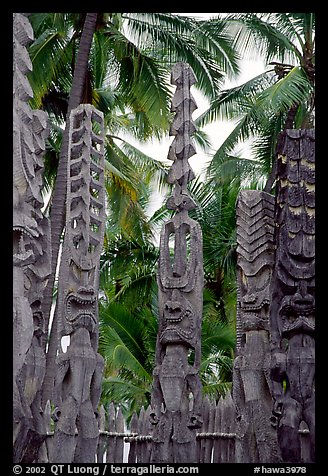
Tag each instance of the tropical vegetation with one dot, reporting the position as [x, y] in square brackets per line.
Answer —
[120, 62]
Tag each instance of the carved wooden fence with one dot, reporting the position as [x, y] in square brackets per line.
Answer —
[122, 443]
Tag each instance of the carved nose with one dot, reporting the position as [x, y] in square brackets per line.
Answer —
[250, 298]
[86, 290]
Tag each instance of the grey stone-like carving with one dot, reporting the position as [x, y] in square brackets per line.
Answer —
[31, 246]
[79, 375]
[175, 415]
[292, 308]
[256, 439]
[32, 374]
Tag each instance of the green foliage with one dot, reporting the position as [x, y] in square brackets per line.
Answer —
[128, 80]
[263, 106]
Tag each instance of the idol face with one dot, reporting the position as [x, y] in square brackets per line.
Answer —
[81, 298]
[178, 321]
[297, 314]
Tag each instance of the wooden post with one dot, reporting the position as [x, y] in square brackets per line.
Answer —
[292, 310]
[174, 416]
[79, 372]
[31, 253]
[256, 439]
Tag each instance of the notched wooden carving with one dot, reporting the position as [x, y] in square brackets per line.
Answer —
[256, 440]
[79, 375]
[292, 312]
[176, 396]
[31, 250]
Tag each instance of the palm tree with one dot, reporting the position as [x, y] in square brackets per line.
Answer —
[279, 98]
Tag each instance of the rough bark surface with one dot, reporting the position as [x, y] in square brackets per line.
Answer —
[256, 439]
[292, 308]
[31, 251]
[79, 369]
[175, 415]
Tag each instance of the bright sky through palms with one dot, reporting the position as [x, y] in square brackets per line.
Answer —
[217, 131]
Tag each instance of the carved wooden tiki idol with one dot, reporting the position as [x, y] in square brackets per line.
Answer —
[31, 248]
[180, 279]
[79, 375]
[256, 439]
[293, 303]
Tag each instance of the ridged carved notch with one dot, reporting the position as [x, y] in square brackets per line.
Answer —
[255, 259]
[79, 372]
[175, 415]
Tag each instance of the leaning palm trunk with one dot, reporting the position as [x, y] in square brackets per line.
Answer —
[57, 214]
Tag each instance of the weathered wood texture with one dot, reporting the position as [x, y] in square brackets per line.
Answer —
[174, 414]
[256, 438]
[123, 442]
[79, 372]
[31, 252]
[292, 310]
[132, 443]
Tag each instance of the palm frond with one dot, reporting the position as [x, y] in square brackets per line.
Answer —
[117, 317]
[173, 38]
[212, 35]
[293, 89]
[50, 54]
[231, 103]
[257, 33]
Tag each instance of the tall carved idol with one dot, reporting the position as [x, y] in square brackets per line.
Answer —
[79, 374]
[176, 396]
[293, 301]
[256, 439]
[31, 251]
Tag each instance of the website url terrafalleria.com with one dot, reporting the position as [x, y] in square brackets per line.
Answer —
[154, 469]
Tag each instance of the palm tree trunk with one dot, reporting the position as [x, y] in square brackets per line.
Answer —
[57, 213]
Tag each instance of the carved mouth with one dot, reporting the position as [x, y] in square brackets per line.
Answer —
[301, 323]
[173, 313]
[251, 308]
[297, 327]
[21, 250]
[174, 330]
[78, 308]
[251, 321]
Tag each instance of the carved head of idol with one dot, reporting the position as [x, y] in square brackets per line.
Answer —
[81, 297]
[255, 298]
[178, 321]
[297, 314]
